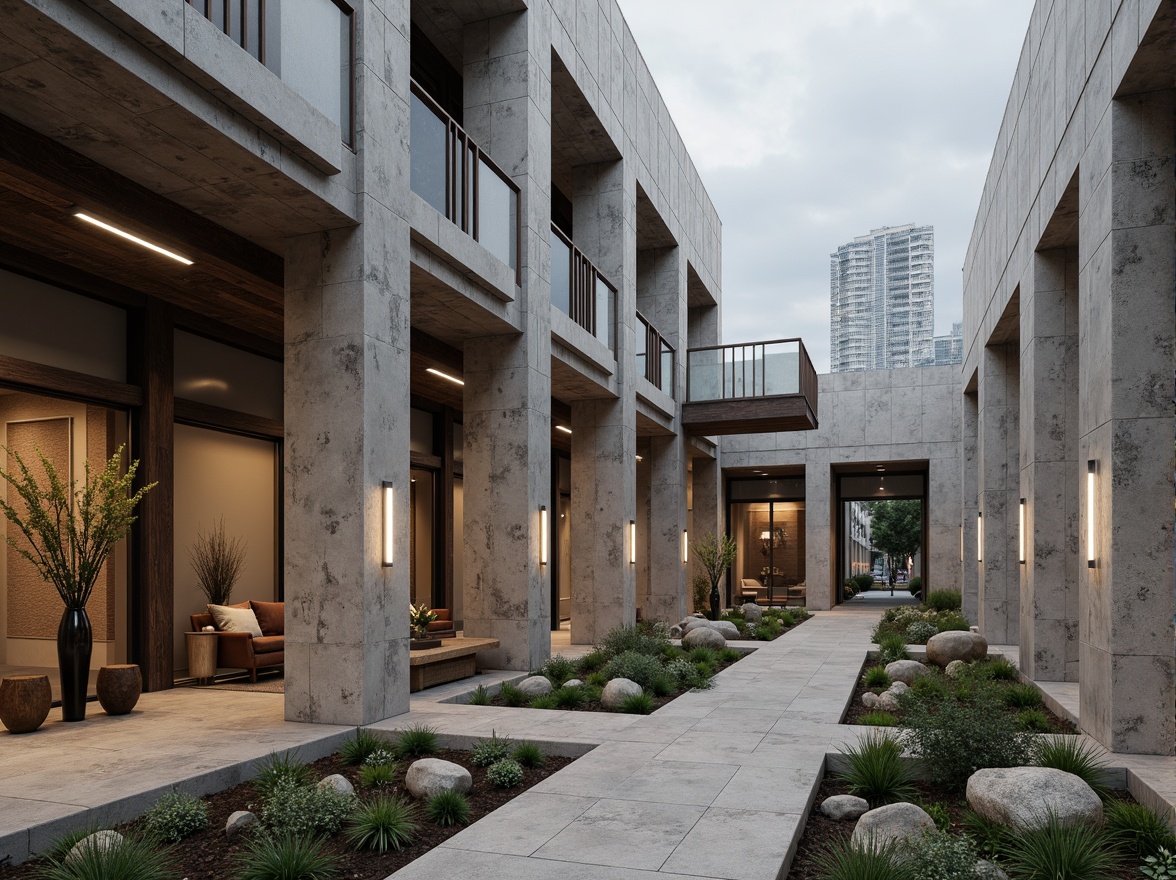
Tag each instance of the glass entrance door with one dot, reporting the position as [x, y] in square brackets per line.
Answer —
[770, 556]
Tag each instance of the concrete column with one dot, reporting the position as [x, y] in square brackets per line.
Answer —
[1049, 469]
[819, 550]
[971, 492]
[707, 515]
[1127, 338]
[998, 455]
[644, 478]
[507, 395]
[347, 417]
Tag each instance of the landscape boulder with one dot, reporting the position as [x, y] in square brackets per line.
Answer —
[725, 628]
[338, 782]
[620, 689]
[675, 632]
[1025, 797]
[238, 822]
[898, 688]
[888, 702]
[891, 824]
[948, 646]
[986, 870]
[906, 671]
[98, 842]
[431, 776]
[752, 613]
[535, 686]
[573, 683]
[869, 700]
[844, 806]
[704, 637]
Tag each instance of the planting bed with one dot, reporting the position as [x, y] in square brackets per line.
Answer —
[775, 622]
[210, 855]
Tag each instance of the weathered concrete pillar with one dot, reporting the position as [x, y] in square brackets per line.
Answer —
[819, 550]
[999, 580]
[347, 419]
[507, 395]
[1049, 469]
[971, 492]
[1127, 340]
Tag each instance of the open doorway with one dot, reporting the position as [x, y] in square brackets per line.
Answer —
[881, 527]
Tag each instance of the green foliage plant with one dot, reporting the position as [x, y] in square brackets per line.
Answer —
[1022, 696]
[729, 655]
[638, 639]
[360, 745]
[877, 719]
[513, 697]
[1000, 670]
[569, 697]
[175, 816]
[135, 858]
[700, 592]
[529, 755]
[281, 770]
[991, 838]
[635, 666]
[939, 815]
[448, 808]
[490, 751]
[1161, 866]
[415, 741]
[284, 857]
[896, 529]
[596, 679]
[841, 860]
[1033, 721]
[876, 677]
[915, 587]
[637, 704]
[1060, 851]
[663, 685]
[419, 618]
[506, 773]
[592, 661]
[704, 655]
[686, 674]
[920, 631]
[217, 561]
[948, 621]
[874, 770]
[546, 701]
[71, 531]
[944, 600]
[1138, 828]
[480, 697]
[558, 669]
[383, 823]
[377, 775]
[940, 856]
[306, 810]
[891, 647]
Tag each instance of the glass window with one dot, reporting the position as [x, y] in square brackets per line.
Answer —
[642, 342]
[427, 154]
[422, 535]
[561, 274]
[606, 301]
[421, 432]
[770, 555]
[667, 368]
[497, 215]
[220, 375]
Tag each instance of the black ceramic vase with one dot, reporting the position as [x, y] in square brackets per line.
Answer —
[715, 601]
[75, 641]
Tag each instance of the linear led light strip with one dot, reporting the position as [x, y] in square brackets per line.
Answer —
[453, 379]
[122, 233]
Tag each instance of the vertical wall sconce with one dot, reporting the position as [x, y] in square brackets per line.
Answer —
[1021, 532]
[388, 495]
[961, 543]
[632, 542]
[685, 547]
[1090, 513]
[979, 536]
[543, 534]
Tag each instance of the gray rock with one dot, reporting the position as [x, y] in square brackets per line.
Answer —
[338, 782]
[535, 686]
[955, 668]
[725, 628]
[844, 806]
[985, 870]
[430, 776]
[573, 683]
[98, 842]
[891, 823]
[675, 632]
[704, 637]
[898, 688]
[620, 689]
[1025, 797]
[752, 613]
[948, 646]
[238, 822]
[888, 702]
[906, 671]
[869, 700]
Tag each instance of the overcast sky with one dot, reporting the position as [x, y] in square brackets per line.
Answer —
[815, 121]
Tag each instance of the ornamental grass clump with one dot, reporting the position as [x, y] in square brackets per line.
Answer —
[635, 666]
[568, 697]
[480, 697]
[874, 770]
[415, 742]
[1033, 721]
[448, 808]
[644, 638]
[384, 823]
[637, 704]
[529, 755]
[218, 561]
[175, 816]
[877, 719]
[361, 744]
[1137, 828]
[132, 858]
[558, 669]
[283, 857]
[512, 697]
[891, 647]
[841, 860]
[944, 600]
[876, 677]
[1061, 851]
[1022, 696]
[281, 770]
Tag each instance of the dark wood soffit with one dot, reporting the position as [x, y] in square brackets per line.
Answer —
[44, 164]
[205, 415]
[749, 416]
[56, 382]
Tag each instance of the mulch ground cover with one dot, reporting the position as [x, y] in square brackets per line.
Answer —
[820, 831]
[209, 855]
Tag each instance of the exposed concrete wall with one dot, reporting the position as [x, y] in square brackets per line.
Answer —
[998, 454]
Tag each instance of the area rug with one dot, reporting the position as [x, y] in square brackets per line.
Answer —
[267, 686]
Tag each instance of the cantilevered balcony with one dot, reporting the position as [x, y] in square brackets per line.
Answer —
[581, 292]
[750, 388]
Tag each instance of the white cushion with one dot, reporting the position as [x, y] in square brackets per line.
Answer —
[235, 620]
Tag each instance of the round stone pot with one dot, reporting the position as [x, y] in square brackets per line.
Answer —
[24, 702]
[119, 688]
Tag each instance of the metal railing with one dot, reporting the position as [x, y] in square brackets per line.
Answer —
[451, 173]
[655, 356]
[312, 50]
[580, 291]
[751, 369]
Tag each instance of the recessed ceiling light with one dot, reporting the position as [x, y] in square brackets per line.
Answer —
[639, 458]
[82, 215]
[453, 379]
[562, 428]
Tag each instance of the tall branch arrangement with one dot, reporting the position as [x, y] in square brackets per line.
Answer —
[71, 531]
[715, 553]
[217, 560]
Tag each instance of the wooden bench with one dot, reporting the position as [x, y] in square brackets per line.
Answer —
[454, 660]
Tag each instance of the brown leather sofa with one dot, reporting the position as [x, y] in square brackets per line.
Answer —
[235, 650]
[442, 627]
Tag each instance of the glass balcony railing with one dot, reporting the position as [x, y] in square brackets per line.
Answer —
[655, 356]
[581, 292]
[452, 174]
[309, 44]
[753, 369]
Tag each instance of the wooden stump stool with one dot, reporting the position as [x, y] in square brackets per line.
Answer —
[119, 688]
[24, 702]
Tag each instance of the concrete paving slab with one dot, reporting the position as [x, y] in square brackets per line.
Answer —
[523, 825]
[735, 845]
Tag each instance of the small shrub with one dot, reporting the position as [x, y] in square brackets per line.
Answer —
[729, 655]
[939, 815]
[480, 697]
[377, 775]
[597, 679]
[1070, 754]
[359, 745]
[915, 587]
[568, 698]
[591, 692]
[934, 686]
[1022, 696]
[637, 704]
[992, 838]
[283, 770]
[1061, 852]
[306, 810]
[285, 857]
[875, 770]
[506, 773]
[635, 666]
[592, 661]
[943, 600]
[919, 631]
[876, 677]
[787, 619]
[1033, 721]
[1000, 670]
[547, 701]
[448, 808]
[765, 632]
[863, 582]
[637, 639]
[941, 856]
[513, 697]
[1138, 828]
[684, 672]
[664, 685]
[383, 823]
[558, 669]
[134, 859]
[381, 757]
[841, 860]
[949, 621]
[529, 755]
[878, 719]
[415, 742]
[490, 751]
[1161, 866]
[175, 816]
[704, 655]
[891, 647]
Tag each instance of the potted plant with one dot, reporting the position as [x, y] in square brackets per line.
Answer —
[419, 618]
[217, 560]
[71, 532]
[715, 553]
